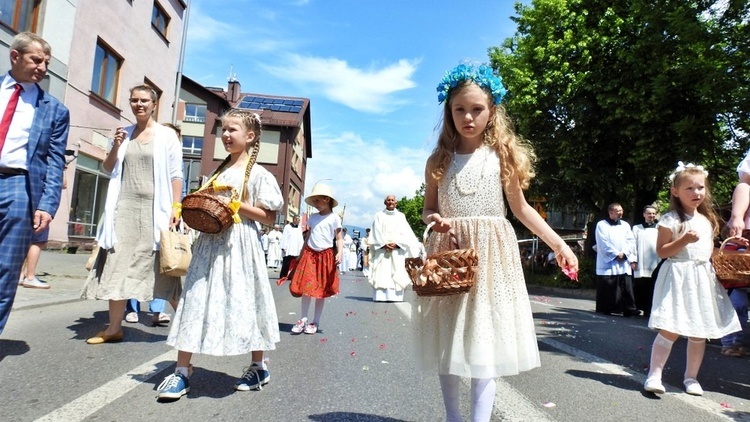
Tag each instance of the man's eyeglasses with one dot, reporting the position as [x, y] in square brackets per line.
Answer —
[135, 101]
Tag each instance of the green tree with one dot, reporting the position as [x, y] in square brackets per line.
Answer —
[612, 93]
[412, 209]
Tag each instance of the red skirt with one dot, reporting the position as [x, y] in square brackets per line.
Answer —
[313, 274]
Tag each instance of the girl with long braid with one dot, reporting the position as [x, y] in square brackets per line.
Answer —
[227, 305]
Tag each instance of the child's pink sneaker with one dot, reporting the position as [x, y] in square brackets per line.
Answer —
[311, 328]
[300, 326]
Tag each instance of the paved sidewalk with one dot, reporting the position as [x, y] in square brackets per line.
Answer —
[64, 272]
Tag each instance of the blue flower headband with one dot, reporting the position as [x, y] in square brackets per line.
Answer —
[481, 75]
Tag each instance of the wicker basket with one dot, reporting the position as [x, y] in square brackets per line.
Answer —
[205, 212]
[443, 273]
[732, 267]
[202, 210]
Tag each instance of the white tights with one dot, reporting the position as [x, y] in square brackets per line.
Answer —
[482, 398]
[305, 308]
[659, 354]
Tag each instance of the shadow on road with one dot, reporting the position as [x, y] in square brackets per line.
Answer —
[88, 327]
[349, 416]
[12, 348]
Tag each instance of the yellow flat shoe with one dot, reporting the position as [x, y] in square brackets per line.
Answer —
[100, 338]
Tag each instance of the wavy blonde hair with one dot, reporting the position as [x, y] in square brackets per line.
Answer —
[706, 207]
[516, 155]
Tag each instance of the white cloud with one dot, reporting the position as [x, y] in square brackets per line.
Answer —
[363, 172]
[368, 90]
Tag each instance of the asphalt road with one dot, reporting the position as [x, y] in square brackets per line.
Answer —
[359, 367]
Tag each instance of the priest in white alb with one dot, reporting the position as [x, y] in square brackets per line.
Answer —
[391, 242]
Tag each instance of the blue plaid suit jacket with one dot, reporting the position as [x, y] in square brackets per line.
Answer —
[46, 152]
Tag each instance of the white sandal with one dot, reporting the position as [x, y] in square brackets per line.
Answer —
[654, 385]
[692, 387]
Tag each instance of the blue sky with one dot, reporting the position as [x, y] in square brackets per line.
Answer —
[369, 68]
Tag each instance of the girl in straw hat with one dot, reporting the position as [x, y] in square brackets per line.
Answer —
[314, 274]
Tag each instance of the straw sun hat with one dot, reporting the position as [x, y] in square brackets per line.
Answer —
[322, 190]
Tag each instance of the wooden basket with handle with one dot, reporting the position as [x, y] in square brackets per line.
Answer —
[443, 273]
[202, 210]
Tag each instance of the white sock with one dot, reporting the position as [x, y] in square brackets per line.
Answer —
[261, 364]
[482, 398]
[183, 370]
[695, 350]
[659, 354]
[449, 385]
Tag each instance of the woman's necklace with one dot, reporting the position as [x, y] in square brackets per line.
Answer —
[465, 179]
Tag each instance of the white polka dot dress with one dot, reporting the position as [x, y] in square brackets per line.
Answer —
[488, 332]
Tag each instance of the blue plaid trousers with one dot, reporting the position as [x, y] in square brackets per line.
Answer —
[16, 229]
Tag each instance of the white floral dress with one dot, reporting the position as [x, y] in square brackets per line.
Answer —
[227, 305]
[688, 299]
[488, 332]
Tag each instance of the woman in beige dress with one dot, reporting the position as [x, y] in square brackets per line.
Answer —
[145, 162]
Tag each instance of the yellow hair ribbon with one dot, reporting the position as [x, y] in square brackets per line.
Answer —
[219, 187]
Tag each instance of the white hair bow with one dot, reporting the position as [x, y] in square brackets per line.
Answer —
[682, 167]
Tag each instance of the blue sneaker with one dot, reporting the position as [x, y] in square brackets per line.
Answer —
[254, 378]
[173, 387]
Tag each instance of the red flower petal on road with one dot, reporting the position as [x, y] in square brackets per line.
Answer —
[323, 340]
[353, 340]
[726, 405]
[352, 353]
[382, 346]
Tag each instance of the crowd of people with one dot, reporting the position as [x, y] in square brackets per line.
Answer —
[479, 168]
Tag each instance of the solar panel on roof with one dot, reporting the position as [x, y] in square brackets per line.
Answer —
[285, 108]
[267, 100]
[297, 102]
[275, 107]
[295, 109]
[288, 102]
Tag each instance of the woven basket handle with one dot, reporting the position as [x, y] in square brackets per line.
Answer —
[724, 243]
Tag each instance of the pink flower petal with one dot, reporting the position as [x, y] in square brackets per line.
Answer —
[726, 405]
[573, 275]
[353, 340]
[323, 340]
[352, 353]
[382, 346]
[549, 404]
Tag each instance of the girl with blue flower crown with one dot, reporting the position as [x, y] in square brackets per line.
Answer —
[478, 165]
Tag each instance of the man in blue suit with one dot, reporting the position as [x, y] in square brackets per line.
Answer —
[32, 157]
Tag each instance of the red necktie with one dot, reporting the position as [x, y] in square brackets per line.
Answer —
[8, 114]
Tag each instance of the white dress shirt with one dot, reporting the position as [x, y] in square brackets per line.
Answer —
[14, 153]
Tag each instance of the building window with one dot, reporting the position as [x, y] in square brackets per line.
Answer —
[195, 113]
[192, 145]
[19, 14]
[106, 73]
[159, 19]
[191, 169]
[87, 200]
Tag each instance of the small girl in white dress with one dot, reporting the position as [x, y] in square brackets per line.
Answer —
[227, 305]
[688, 299]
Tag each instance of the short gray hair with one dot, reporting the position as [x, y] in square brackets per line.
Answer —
[23, 40]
